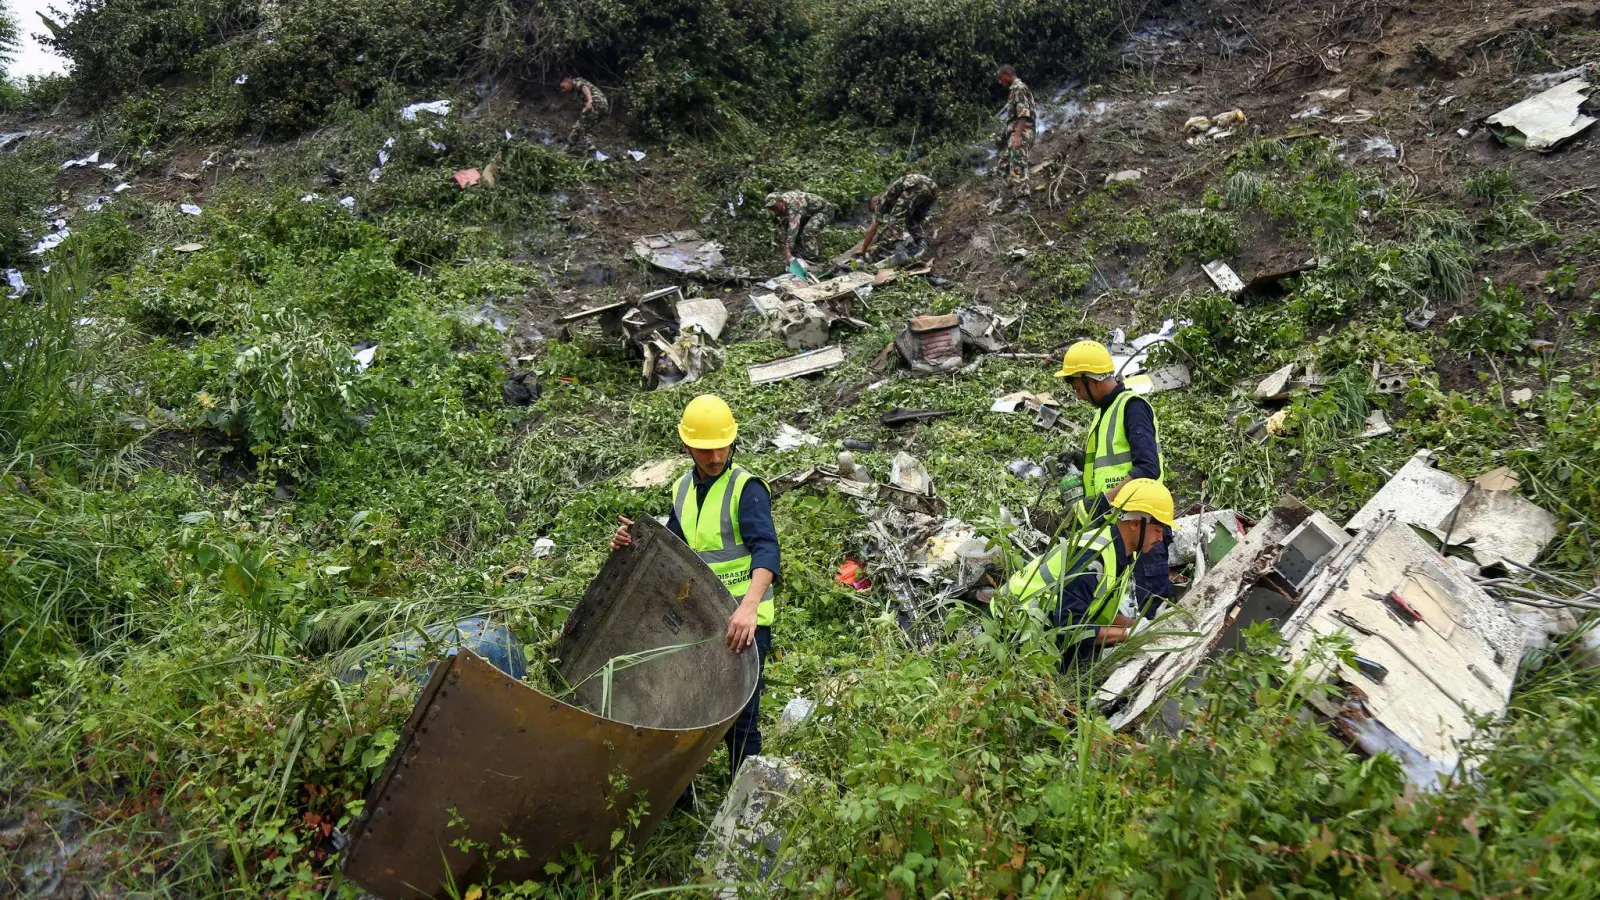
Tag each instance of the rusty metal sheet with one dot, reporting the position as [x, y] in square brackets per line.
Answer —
[507, 759]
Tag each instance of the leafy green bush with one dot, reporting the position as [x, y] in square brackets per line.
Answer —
[1502, 323]
[320, 52]
[117, 46]
[288, 389]
[20, 203]
[677, 59]
[1204, 235]
[933, 62]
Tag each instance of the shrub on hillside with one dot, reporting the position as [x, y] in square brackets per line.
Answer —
[118, 45]
[932, 62]
[676, 59]
[314, 53]
[24, 196]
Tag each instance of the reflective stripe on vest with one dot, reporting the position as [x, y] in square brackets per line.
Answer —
[716, 539]
[1045, 575]
[1108, 458]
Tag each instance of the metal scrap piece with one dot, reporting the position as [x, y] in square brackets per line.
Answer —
[507, 759]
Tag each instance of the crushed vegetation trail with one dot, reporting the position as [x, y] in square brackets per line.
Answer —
[282, 410]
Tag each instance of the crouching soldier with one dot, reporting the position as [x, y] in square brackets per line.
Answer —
[801, 218]
[906, 203]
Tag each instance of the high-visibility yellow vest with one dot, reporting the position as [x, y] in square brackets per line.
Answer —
[1047, 577]
[715, 536]
[1107, 457]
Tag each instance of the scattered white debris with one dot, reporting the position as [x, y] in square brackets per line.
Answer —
[96, 204]
[1544, 121]
[637, 155]
[1464, 132]
[89, 160]
[1448, 100]
[1358, 117]
[1521, 396]
[508, 134]
[1327, 95]
[189, 209]
[1381, 148]
[543, 548]
[310, 198]
[601, 155]
[121, 186]
[1223, 276]
[437, 146]
[107, 166]
[348, 202]
[188, 248]
[18, 286]
[374, 174]
[50, 242]
[363, 356]
[792, 438]
[1125, 176]
[436, 107]
[241, 79]
[1377, 425]
[383, 157]
[389, 142]
[796, 711]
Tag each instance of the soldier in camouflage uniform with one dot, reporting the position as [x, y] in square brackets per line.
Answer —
[595, 105]
[905, 202]
[802, 217]
[1017, 139]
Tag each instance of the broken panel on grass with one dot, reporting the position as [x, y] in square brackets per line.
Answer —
[1435, 650]
[552, 774]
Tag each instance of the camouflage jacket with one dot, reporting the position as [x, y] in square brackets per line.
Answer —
[1019, 102]
[906, 187]
[799, 206]
[601, 104]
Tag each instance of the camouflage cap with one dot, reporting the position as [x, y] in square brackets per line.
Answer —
[772, 199]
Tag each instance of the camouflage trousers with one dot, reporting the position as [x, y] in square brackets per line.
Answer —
[803, 240]
[587, 119]
[1015, 149]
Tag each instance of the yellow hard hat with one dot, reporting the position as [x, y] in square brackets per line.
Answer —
[707, 423]
[1147, 496]
[1086, 358]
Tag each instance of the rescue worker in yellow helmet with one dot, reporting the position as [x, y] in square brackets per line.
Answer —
[724, 514]
[1122, 444]
[1081, 580]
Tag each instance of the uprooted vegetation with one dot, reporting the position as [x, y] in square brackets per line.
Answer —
[244, 449]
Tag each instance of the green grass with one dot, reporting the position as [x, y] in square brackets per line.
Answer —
[194, 548]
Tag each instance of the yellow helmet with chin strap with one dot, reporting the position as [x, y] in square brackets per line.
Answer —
[707, 423]
[1146, 496]
[1086, 358]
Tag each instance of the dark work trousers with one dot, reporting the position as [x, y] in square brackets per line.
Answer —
[1152, 578]
[744, 738]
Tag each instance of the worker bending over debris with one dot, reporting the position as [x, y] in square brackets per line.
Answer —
[1017, 137]
[801, 218]
[905, 202]
[1123, 444]
[595, 105]
[724, 514]
[1087, 571]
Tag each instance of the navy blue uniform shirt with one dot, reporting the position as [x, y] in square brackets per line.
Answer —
[755, 520]
[1078, 595]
